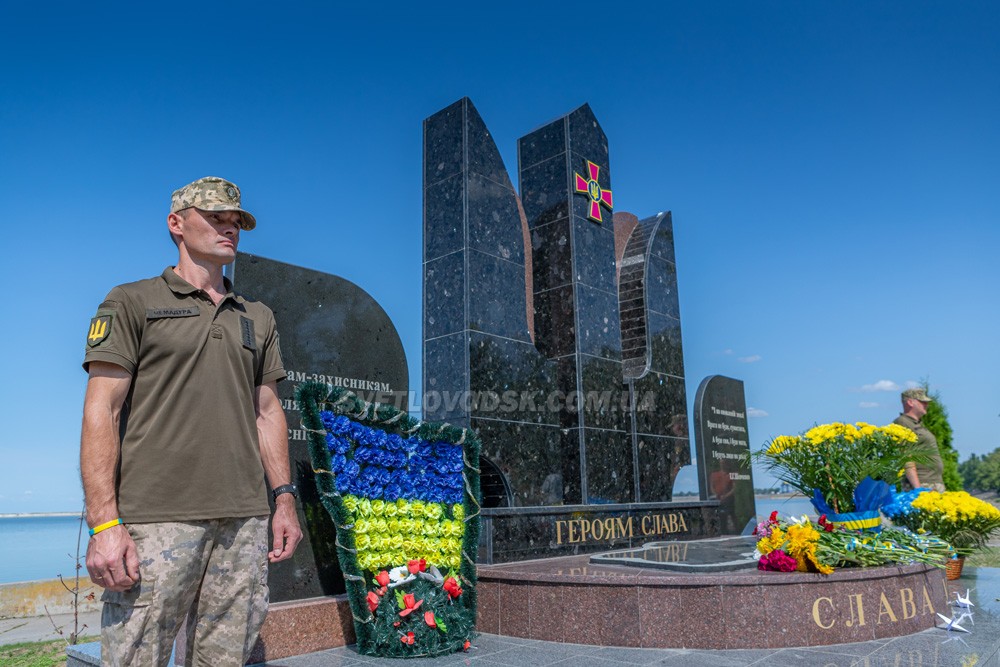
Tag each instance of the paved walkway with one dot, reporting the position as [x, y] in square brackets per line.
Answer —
[40, 628]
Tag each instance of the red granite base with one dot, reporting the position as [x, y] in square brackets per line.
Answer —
[294, 628]
[570, 600]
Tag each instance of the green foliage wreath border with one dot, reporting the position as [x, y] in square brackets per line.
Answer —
[313, 397]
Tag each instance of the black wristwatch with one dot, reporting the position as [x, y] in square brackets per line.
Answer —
[285, 488]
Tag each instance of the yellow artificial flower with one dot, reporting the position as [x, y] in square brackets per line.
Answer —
[365, 507]
[458, 511]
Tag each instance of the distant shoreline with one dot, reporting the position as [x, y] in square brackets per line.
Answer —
[38, 515]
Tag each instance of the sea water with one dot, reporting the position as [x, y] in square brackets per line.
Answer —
[34, 547]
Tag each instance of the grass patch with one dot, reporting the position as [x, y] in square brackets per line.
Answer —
[37, 654]
[988, 557]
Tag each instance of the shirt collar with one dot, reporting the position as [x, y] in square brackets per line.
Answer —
[180, 286]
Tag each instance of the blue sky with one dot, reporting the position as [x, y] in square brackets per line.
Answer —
[832, 169]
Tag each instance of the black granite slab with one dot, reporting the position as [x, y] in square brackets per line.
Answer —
[722, 445]
[542, 532]
[725, 554]
[331, 331]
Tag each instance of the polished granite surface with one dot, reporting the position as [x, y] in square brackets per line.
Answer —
[929, 648]
[522, 318]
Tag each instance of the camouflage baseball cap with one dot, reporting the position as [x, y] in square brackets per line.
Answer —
[211, 194]
[918, 394]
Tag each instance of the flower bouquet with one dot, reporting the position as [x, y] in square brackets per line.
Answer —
[961, 519]
[404, 496]
[845, 469]
[798, 544]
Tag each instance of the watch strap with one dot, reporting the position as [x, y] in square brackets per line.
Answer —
[284, 488]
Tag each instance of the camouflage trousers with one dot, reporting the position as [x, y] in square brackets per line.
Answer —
[213, 573]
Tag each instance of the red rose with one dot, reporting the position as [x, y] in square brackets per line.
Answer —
[451, 587]
[372, 601]
[415, 566]
[382, 578]
[429, 619]
[774, 516]
[412, 604]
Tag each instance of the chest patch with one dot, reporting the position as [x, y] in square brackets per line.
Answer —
[160, 313]
[247, 333]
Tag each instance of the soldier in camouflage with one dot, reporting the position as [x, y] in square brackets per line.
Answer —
[182, 430]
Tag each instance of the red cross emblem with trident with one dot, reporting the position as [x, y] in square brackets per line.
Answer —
[589, 186]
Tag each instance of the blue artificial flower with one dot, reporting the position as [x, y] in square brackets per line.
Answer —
[351, 469]
[337, 463]
[392, 492]
[344, 483]
[336, 424]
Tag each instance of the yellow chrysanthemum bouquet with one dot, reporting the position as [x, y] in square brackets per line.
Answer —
[830, 463]
[963, 520]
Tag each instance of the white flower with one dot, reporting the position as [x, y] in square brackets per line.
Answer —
[397, 574]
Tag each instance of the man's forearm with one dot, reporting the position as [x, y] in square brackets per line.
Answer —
[272, 430]
[99, 445]
[98, 463]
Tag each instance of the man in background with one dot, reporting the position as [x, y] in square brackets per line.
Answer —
[929, 475]
[181, 422]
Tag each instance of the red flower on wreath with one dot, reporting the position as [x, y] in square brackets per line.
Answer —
[412, 604]
[429, 619]
[408, 638]
[415, 566]
[466, 645]
[372, 601]
[451, 587]
[382, 578]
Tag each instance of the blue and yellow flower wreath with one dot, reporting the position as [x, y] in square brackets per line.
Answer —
[404, 496]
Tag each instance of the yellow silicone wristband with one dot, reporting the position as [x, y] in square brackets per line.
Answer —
[104, 526]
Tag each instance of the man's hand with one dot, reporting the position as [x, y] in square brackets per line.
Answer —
[112, 559]
[286, 530]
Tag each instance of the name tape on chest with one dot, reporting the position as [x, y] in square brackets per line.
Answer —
[160, 313]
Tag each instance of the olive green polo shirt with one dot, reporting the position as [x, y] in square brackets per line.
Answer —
[931, 472]
[189, 444]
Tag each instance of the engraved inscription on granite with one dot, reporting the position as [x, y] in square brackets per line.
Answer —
[722, 445]
[330, 331]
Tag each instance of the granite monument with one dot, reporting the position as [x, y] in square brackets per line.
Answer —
[551, 327]
[334, 332]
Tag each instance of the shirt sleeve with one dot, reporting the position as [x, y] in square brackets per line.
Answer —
[114, 333]
[271, 367]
